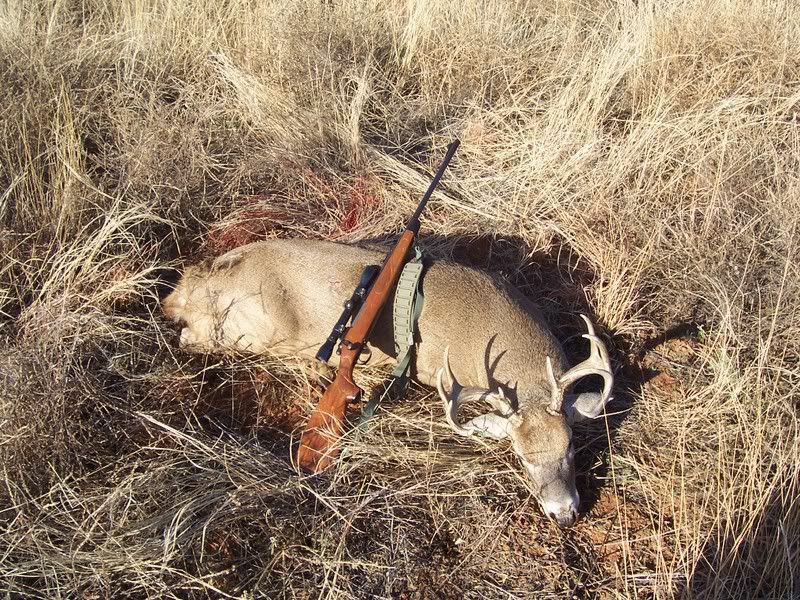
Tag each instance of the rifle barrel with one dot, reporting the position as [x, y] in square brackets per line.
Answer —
[413, 223]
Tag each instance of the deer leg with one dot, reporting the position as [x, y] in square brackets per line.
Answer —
[321, 374]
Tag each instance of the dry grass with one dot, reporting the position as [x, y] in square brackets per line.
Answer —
[638, 161]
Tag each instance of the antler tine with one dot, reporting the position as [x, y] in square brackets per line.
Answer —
[597, 364]
[589, 324]
[556, 391]
[450, 400]
[489, 424]
[451, 379]
[598, 350]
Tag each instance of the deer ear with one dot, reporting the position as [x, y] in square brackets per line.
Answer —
[585, 406]
[501, 404]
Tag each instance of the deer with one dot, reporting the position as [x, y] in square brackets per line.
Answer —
[478, 339]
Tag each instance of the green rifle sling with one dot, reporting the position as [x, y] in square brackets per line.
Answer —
[407, 306]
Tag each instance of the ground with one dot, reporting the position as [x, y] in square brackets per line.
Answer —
[636, 162]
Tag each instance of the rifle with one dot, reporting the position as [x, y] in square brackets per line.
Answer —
[325, 425]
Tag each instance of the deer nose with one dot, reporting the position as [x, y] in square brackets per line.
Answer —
[563, 510]
[565, 519]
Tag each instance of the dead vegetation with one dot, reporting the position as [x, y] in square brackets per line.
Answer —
[636, 161]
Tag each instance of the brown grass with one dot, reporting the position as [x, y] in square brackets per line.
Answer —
[637, 161]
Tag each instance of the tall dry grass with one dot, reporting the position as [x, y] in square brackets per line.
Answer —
[637, 160]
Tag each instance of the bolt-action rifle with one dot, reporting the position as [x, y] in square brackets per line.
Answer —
[317, 451]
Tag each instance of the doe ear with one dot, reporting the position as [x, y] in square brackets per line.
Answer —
[585, 406]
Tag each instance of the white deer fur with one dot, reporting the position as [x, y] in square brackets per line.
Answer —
[489, 341]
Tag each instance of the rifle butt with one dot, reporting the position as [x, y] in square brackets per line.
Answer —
[318, 449]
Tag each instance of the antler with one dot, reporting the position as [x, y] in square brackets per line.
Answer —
[450, 403]
[490, 424]
[597, 364]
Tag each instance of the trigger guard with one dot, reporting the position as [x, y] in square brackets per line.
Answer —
[366, 350]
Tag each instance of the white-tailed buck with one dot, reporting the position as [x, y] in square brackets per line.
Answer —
[478, 339]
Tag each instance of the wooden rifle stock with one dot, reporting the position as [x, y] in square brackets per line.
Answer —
[317, 444]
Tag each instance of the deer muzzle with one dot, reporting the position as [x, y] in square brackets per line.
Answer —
[562, 508]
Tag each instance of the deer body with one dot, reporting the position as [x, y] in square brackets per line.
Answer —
[283, 295]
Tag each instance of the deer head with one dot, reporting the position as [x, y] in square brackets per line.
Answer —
[539, 426]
